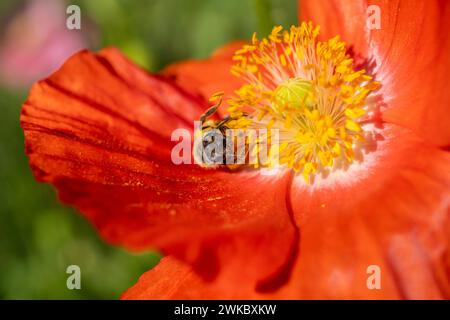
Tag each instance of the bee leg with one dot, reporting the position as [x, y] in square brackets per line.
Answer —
[210, 111]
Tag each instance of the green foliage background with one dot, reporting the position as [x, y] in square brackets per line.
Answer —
[39, 237]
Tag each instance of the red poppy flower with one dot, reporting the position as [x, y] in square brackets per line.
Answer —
[99, 130]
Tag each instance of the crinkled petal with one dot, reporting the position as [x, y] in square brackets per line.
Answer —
[99, 130]
[173, 279]
[208, 76]
[392, 214]
[391, 211]
[409, 54]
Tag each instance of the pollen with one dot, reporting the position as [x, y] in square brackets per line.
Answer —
[307, 89]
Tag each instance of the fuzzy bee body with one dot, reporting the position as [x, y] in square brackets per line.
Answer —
[214, 137]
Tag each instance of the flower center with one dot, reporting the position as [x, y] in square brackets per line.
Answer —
[294, 92]
[309, 91]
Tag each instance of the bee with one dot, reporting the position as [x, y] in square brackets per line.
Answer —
[221, 125]
[215, 141]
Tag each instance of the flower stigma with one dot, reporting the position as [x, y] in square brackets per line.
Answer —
[308, 90]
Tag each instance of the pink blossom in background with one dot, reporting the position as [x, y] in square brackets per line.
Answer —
[36, 42]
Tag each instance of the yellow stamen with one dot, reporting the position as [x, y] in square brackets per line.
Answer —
[306, 88]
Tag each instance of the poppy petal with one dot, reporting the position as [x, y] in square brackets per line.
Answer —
[99, 130]
[392, 213]
[173, 279]
[409, 54]
[395, 217]
[208, 76]
[344, 18]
